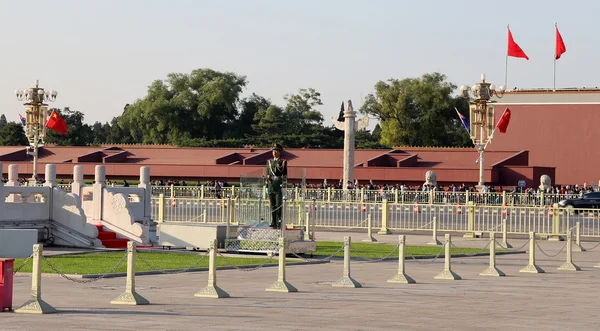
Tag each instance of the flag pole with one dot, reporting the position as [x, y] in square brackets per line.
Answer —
[506, 66]
[554, 74]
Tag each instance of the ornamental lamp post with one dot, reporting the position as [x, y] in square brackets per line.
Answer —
[36, 115]
[481, 117]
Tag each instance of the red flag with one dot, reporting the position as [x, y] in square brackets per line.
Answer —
[560, 44]
[504, 120]
[57, 123]
[514, 49]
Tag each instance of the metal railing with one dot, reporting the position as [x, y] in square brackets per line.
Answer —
[387, 215]
[369, 196]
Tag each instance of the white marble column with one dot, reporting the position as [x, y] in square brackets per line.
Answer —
[78, 183]
[50, 175]
[350, 126]
[98, 189]
[145, 184]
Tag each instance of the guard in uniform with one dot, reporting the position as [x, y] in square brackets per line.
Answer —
[276, 183]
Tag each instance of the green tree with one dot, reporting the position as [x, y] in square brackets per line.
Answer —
[12, 134]
[202, 104]
[3, 121]
[341, 114]
[300, 112]
[245, 122]
[417, 111]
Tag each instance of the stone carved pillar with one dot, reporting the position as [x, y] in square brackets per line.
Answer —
[1, 175]
[13, 180]
[50, 175]
[349, 126]
[145, 184]
[13, 175]
[98, 191]
[77, 184]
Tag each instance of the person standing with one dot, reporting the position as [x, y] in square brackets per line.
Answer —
[276, 183]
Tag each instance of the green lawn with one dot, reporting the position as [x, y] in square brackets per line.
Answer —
[374, 250]
[100, 263]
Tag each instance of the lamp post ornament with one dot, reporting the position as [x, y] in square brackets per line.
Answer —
[349, 126]
[481, 116]
[36, 116]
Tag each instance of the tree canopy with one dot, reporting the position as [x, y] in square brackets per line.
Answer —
[205, 108]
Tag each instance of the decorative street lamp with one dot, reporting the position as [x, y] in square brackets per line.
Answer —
[481, 117]
[36, 111]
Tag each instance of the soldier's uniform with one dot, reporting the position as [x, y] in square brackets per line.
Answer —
[276, 182]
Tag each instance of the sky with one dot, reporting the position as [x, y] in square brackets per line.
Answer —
[101, 55]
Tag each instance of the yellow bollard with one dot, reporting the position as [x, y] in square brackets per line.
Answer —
[401, 276]
[346, 280]
[448, 273]
[130, 296]
[492, 270]
[531, 267]
[370, 237]
[281, 285]
[212, 290]
[569, 265]
[36, 305]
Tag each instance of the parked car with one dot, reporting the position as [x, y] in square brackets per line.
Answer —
[587, 201]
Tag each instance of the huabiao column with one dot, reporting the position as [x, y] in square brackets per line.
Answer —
[349, 126]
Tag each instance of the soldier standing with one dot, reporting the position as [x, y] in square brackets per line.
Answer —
[276, 182]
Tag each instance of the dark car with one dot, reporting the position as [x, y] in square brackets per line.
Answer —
[587, 201]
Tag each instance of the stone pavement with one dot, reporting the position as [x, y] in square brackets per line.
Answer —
[556, 300]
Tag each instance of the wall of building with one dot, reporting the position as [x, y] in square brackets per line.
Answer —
[562, 136]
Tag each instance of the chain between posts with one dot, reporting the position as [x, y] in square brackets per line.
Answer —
[589, 249]
[22, 264]
[419, 228]
[348, 229]
[244, 268]
[318, 260]
[171, 272]
[84, 281]
[513, 249]
[373, 260]
[429, 262]
[461, 250]
[548, 255]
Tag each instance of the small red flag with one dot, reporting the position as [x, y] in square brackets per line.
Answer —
[57, 123]
[504, 120]
[560, 44]
[514, 49]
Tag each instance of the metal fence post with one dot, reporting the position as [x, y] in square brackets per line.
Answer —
[161, 207]
[434, 239]
[384, 217]
[470, 220]
[578, 247]
[202, 192]
[370, 230]
[555, 224]
[36, 305]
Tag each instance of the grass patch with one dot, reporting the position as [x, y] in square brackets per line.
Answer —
[326, 248]
[100, 263]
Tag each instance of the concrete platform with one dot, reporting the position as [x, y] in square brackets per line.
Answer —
[556, 300]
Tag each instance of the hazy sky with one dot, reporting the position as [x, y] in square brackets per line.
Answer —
[101, 55]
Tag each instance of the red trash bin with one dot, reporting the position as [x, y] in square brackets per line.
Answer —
[6, 283]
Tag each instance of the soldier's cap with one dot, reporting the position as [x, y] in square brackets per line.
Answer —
[277, 147]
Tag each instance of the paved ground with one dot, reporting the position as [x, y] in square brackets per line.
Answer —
[556, 300]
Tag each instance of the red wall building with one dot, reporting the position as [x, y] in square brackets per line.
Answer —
[558, 128]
